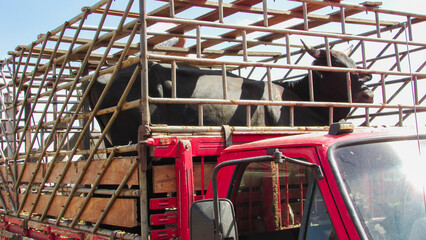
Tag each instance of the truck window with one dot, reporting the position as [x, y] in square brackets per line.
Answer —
[269, 200]
[319, 225]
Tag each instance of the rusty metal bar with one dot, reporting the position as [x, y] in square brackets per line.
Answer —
[31, 144]
[248, 115]
[274, 103]
[327, 51]
[94, 110]
[265, 64]
[377, 24]
[199, 48]
[349, 86]
[244, 36]
[311, 86]
[287, 48]
[172, 8]
[330, 115]
[291, 116]
[265, 13]
[305, 16]
[174, 91]
[342, 20]
[268, 73]
[410, 29]
[80, 105]
[398, 61]
[52, 92]
[200, 115]
[383, 83]
[224, 82]
[342, 37]
[220, 10]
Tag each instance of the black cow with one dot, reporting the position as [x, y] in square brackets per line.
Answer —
[194, 82]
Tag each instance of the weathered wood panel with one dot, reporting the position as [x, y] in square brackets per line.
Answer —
[164, 177]
[114, 174]
[123, 213]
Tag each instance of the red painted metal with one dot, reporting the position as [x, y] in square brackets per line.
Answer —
[184, 186]
[164, 234]
[163, 219]
[162, 203]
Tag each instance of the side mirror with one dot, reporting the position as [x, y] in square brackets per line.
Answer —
[202, 221]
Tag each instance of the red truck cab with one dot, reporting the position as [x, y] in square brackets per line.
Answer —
[361, 184]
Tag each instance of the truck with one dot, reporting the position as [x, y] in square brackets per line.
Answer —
[64, 174]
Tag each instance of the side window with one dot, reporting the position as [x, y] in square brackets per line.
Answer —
[270, 198]
[319, 225]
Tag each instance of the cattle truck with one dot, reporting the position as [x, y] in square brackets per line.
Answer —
[63, 175]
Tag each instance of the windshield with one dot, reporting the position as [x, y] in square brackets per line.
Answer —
[386, 184]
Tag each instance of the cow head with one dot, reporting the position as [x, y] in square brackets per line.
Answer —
[334, 83]
[330, 86]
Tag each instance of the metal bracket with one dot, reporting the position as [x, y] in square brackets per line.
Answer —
[227, 135]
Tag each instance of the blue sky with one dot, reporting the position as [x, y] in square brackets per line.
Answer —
[22, 20]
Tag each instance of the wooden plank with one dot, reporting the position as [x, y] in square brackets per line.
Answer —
[114, 174]
[123, 213]
[164, 177]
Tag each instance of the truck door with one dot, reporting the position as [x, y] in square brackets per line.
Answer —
[279, 201]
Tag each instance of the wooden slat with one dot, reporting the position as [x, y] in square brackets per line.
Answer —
[164, 177]
[114, 174]
[123, 213]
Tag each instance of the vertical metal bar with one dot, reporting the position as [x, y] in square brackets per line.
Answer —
[78, 108]
[291, 116]
[364, 59]
[311, 86]
[398, 61]
[200, 115]
[416, 91]
[143, 161]
[174, 91]
[244, 35]
[265, 13]
[401, 119]
[248, 115]
[377, 24]
[343, 19]
[268, 72]
[224, 82]
[330, 115]
[382, 81]
[220, 10]
[367, 116]
[287, 48]
[305, 16]
[349, 86]
[199, 50]
[410, 30]
[327, 51]
[172, 8]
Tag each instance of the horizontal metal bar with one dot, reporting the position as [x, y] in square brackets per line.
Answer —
[277, 103]
[346, 37]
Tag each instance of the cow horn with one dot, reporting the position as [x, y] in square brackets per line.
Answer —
[312, 51]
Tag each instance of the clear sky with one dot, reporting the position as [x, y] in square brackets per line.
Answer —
[22, 20]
